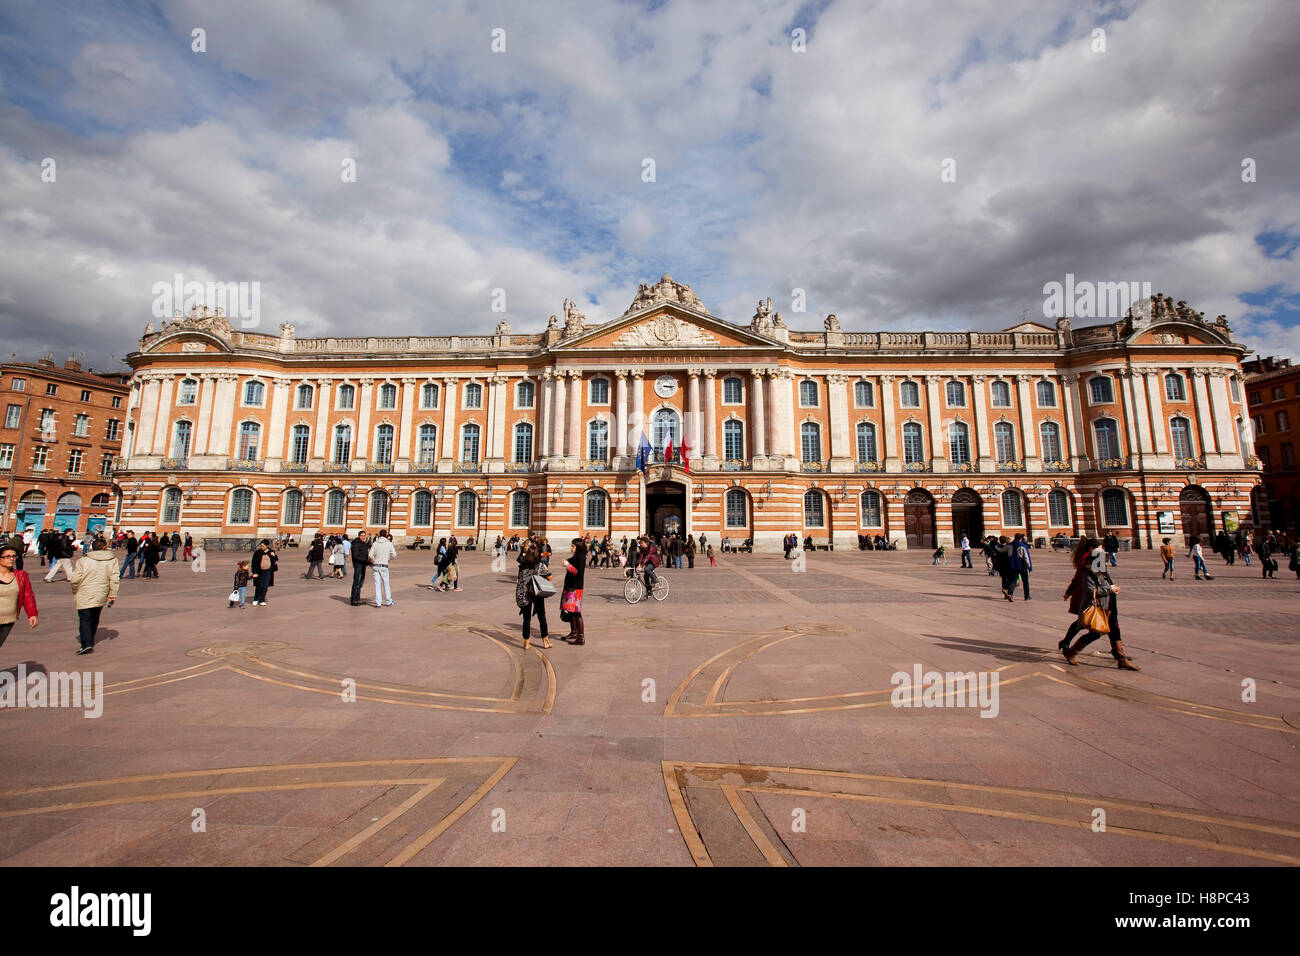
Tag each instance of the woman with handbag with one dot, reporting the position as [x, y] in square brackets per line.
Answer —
[1092, 595]
[530, 596]
[571, 594]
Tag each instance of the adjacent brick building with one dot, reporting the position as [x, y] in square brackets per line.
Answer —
[62, 429]
[1138, 425]
[1273, 390]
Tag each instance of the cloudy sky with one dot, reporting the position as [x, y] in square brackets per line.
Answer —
[823, 168]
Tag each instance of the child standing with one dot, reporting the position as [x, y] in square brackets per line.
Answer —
[1167, 556]
[241, 583]
[713, 562]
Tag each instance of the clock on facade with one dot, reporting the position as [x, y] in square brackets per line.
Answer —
[665, 386]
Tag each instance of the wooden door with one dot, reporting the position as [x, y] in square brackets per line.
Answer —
[918, 520]
[1196, 518]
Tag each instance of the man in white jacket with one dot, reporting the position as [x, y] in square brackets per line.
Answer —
[382, 553]
[94, 581]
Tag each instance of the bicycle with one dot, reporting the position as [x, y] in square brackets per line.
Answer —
[634, 591]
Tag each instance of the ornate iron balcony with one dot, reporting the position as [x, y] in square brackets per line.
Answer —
[917, 466]
[1190, 463]
[870, 466]
[337, 466]
[295, 466]
[1056, 466]
[468, 466]
[1011, 466]
[517, 467]
[966, 467]
[425, 467]
[812, 466]
[244, 464]
[593, 464]
[1253, 462]
[381, 468]
[174, 464]
[1109, 464]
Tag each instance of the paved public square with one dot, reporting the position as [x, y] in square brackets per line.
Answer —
[747, 720]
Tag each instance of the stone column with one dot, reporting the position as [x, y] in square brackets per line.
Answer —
[362, 439]
[692, 426]
[147, 423]
[406, 424]
[781, 421]
[279, 413]
[758, 416]
[1221, 412]
[620, 415]
[545, 413]
[1147, 414]
[223, 414]
[558, 408]
[163, 416]
[324, 399]
[838, 400]
[711, 415]
[1204, 417]
[448, 424]
[979, 395]
[1130, 425]
[637, 384]
[497, 418]
[576, 447]
[938, 455]
[1073, 421]
[202, 430]
[1028, 440]
[890, 442]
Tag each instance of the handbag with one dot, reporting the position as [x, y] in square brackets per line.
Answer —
[542, 588]
[1095, 618]
[234, 596]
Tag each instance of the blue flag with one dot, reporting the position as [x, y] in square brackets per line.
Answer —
[643, 452]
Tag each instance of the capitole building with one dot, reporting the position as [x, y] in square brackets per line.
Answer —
[1138, 425]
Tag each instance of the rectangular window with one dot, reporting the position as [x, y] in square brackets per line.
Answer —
[82, 427]
[1283, 422]
[51, 389]
[13, 415]
[732, 391]
[85, 395]
[47, 421]
[523, 446]
[473, 395]
[1265, 457]
[40, 456]
[19, 385]
[1254, 398]
[1115, 509]
[429, 396]
[733, 441]
[600, 391]
[1288, 456]
[737, 513]
[1278, 393]
[111, 432]
[106, 467]
[117, 401]
[6, 456]
[74, 461]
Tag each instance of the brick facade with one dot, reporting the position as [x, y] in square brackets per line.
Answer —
[1273, 390]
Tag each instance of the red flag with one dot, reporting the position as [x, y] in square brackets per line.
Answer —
[668, 450]
[686, 454]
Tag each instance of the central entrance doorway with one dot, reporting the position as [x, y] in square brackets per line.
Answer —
[968, 516]
[665, 508]
[918, 518]
[1198, 517]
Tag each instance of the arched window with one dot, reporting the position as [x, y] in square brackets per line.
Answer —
[428, 395]
[599, 391]
[737, 508]
[292, 507]
[665, 424]
[342, 444]
[733, 440]
[814, 509]
[863, 394]
[469, 443]
[336, 507]
[378, 509]
[1001, 392]
[181, 440]
[466, 509]
[521, 509]
[1180, 430]
[909, 395]
[808, 393]
[866, 443]
[959, 443]
[1058, 509]
[810, 442]
[473, 395]
[241, 506]
[1101, 391]
[347, 396]
[598, 441]
[733, 391]
[1175, 388]
[384, 445]
[100, 500]
[595, 512]
[1049, 436]
[956, 394]
[388, 395]
[1013, 511]
[913, 445]
[300, 444]
[1106, 433]
[1114, 508]
[1004, 440]
[304, 396]
[523, 443]
[426, 447]
[422, 509]
[525, 395]
[189, 392]
[1046, 394]
[871, 509]
[171, 509]
[250, 436]
[254, 393]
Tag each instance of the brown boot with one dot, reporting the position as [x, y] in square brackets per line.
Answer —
[582, 632]
[1117, 651]
[1074, 651]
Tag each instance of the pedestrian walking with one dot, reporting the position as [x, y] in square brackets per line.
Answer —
[382, 553]
[1267, 548]
[1092, 587]
[16, 592]
[1167, 556]
[1002, 564]
[316, 558]
[265, 564]
[175, 543]
[1022, 562]
[965, 550]
[1198, 559]
[360, 561]
[132, 545]
[94, 582]
[152, 555]
[187, 553]
[59, 550]
[1111, 545]
[528, 597]
[713, 561]
[239, 589]
[571, 593]
[690, 551]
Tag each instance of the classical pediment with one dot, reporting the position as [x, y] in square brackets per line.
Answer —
[1179, 333]
[667, 326]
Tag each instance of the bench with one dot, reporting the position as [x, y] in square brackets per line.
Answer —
[827, 546]
[417, 543]
[747, 546]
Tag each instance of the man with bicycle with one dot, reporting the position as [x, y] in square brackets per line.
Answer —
[649, 559]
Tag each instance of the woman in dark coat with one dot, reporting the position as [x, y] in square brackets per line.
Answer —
[1092, 584]
[530, 566]
[571, 594]
[1002, 565]
[265, 565]
[152, 555]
